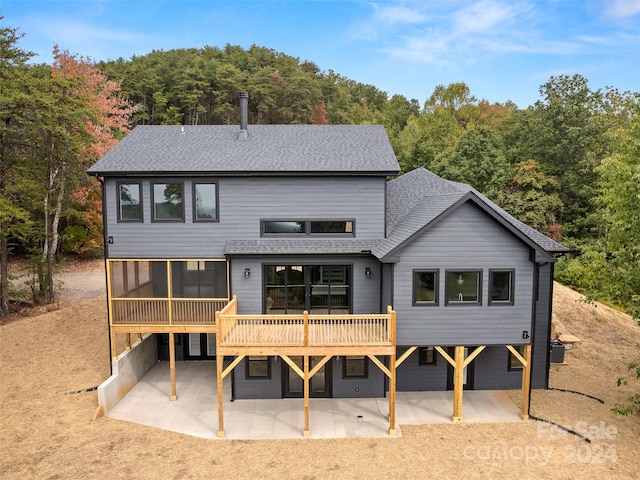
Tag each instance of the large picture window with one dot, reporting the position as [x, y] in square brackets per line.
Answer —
[167, 202]
[425, 287]
[464, 287]
[319, 289]
[501, 287]
[205, 202]
[129, 202]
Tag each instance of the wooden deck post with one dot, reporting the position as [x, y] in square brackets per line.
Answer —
[392, 395]
[458, 386]
[526, 383]
[306, 432]
[392, 377]
[172, 365]
[127, 341]
[114, 349]
[219, 367]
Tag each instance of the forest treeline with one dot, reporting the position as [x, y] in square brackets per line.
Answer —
[568, 165]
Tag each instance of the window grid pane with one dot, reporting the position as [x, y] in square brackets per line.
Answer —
[167, 201]
[205, 201]
[425, 287]
[501, 287]
[130, 201]
[463, 287]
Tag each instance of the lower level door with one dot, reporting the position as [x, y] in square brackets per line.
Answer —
[467, 374]
[200, 346]
[293, 384]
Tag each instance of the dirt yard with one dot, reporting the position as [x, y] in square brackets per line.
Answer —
[46, 431]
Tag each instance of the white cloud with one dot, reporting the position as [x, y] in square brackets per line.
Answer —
[397, 14]
[487, 15]
[446, 33]
[89, 39]
[622, 8]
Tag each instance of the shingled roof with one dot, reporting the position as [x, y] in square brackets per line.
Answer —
[418, 199]
[268, 150]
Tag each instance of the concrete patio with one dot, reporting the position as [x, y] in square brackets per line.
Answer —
[195, 411]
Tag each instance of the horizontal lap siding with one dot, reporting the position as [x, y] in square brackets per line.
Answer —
[248, 388]
[242, 203]
[413, 377]
[365, 291]
[491, 370]
[466, 239]
[345, 387]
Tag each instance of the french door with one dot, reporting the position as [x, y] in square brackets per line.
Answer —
[318, 289]
[319, 384]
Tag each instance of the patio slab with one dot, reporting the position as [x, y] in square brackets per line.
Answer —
[195, 411]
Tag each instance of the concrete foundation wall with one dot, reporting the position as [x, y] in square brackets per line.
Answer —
[127, 370]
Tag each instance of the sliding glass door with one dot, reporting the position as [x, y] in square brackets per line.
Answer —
[319, 289]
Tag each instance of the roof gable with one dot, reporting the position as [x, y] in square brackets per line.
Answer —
[420, 199]
[268, 150]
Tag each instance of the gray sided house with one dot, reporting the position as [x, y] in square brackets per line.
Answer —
[423, 283]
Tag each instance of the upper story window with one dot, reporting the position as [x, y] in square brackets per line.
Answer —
[464, 287]
[307, 227]
[129, 202]
[425, 287]
[205, 202]
[501, 287]
[167, 201]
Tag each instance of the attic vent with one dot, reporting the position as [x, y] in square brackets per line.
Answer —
[243, 98]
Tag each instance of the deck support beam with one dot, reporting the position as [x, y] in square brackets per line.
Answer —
[306, 432]
[219, 378]
[392, 395]
[172, 365]
[526, 378]
[458, 386]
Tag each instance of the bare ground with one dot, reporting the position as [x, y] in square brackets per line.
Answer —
[46, 431]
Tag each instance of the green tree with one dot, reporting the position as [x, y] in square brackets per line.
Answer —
[15, 220]
[478, 160]
[532, 198]
[566, 133]
[620, 187]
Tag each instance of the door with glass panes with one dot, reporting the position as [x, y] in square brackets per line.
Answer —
[318, 289]
[319, 384]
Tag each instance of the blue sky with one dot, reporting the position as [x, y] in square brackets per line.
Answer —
[504, 50]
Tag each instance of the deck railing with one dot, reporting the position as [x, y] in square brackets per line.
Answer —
[303, 330]
[165, 311]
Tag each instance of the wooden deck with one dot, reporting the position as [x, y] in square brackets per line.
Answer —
[291, 334]
[165, 311]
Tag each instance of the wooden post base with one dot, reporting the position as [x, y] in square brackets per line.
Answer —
[456, 419]
[524, 417]
[220, 433]
[173, 398]
[392, 432]
[97, 413]
[306, 433]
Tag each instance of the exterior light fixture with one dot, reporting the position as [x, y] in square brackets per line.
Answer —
[367, 272]
[247, 272]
